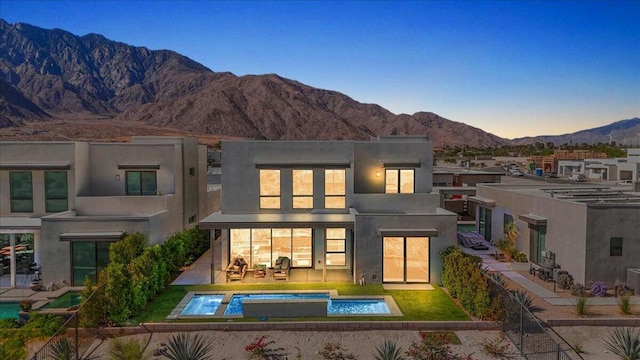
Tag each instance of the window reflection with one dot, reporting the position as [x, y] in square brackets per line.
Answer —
[336, 246]
[264, 246]
[334, 189]
[269, 189]
[302, 189]
[399, 181]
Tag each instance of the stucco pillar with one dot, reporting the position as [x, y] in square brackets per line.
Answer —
[12, 261]
[37, 246]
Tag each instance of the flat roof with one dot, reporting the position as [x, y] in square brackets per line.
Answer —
[19, 223]
[218, 220]
[591, 194]
[95, 235]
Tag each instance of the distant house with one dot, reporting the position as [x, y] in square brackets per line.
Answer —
[63, 203]
[593, 230]
[627, 168]
[365, 208]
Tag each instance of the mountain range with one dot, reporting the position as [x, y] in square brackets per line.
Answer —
[56, 83]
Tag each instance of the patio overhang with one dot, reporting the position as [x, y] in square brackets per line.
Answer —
[533, 219]
[218, 220]
[35, 166]
[396, 164]
[482, 201]
[421, 232]
[16, 225]
[95, 236]
[302, 164]
[138, 166]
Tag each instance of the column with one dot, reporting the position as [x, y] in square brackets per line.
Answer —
[12, 262]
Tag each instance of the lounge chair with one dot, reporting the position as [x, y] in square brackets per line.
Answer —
[236, 269]
[281, 270]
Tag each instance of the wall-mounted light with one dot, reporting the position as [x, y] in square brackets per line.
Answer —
[377, 173]
[117, 177]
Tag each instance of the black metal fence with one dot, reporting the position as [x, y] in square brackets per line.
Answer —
[534, 339]
[72, 341]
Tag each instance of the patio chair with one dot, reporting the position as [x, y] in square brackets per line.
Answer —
[236, 269]
[281, 270]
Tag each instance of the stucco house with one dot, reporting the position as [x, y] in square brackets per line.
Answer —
[594, 231]
[63, 203]
[364, 208]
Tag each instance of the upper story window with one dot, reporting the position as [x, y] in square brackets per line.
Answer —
[399, 181]
[302, 189]
[615, 246]
[334, 189]
[269, 189]
[141, 183]
[56, 191]
[21, 189]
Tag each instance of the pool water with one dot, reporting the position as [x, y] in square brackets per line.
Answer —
[67, 300]
[334, 306]
[202, 305]
[9, 310]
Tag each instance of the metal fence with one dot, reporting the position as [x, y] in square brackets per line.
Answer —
[534, 339]
[72, 341]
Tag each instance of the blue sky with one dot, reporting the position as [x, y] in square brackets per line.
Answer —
[513, 68]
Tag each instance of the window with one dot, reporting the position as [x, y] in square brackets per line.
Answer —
[264, 246]
[21, 191]
[87, 259]
[334, 189]
[270, 189]
[615, 246]
[56, 191]
[336, 247]
[399, 181]
[141, 183]
[302, 189]
[484, 223]
[192, 171]
[507, 219]
[537, 242]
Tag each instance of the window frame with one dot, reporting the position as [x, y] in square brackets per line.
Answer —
[248, 251]
[140, 173]
[337, 252]
[20, 199]
[398, 175]
[335, 196]
[48, 207]
[301, 195]
[263, 195]
[617, 249]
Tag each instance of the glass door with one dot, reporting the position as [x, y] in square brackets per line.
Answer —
[393, 259]
[417, 259]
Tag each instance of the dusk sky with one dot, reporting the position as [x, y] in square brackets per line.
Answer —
[513, 68]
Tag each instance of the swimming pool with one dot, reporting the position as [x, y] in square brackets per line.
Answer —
[67, 300]
[208, 304]
[9, 310]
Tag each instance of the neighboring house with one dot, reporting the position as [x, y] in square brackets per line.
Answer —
[605, 169]
[63, 203]
[593, 231]
[362, 207]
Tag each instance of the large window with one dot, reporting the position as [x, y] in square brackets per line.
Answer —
[336, 247]
[537, 242]
[302, 189]
[21, 191]
[615, 246]
[399, 181]
[88, 258]
[141, 183]
[334, 189]
[56, 193]
[484, 223]
[270, 189]
[264, 246]
[405, 259]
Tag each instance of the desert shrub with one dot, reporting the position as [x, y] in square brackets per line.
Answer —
[335, 351]
[621, 287]
[519, 256]
[624, 302]
[624, 342]
[523, 298]
[388, 351]
[582, 305]
[598, 288]
[126, 350]
[498, 348]
[498, 279]
[577, 289]
[565, 281]
[432, 348]
[183, 346]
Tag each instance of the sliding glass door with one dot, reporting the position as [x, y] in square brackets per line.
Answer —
[405, 259]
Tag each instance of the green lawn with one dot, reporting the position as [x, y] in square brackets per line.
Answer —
[416, 305]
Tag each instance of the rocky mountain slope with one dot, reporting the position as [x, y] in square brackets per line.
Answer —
[621, 132]
[55, 75]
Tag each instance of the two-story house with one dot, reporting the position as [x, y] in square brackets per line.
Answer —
[362, 207]
[63, 203]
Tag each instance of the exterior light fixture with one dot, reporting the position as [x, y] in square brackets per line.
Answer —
[377, 173]
[117, 177]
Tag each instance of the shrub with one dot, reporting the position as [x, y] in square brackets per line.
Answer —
[624, 342]
[465, 280]
[388, 351]
[620, 288]
[565, 281]
[432, 348]
[262, 350]
[335, 351]
[624, 301]
[582, 305]
[25, 305]
[519, 256]
[598, 288]
[523, 298]
[577, 289]
[498, 348]
[126, 350]
[184, 347]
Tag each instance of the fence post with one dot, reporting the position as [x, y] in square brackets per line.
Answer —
[521, 329]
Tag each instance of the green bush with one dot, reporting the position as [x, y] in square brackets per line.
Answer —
[463, 277]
